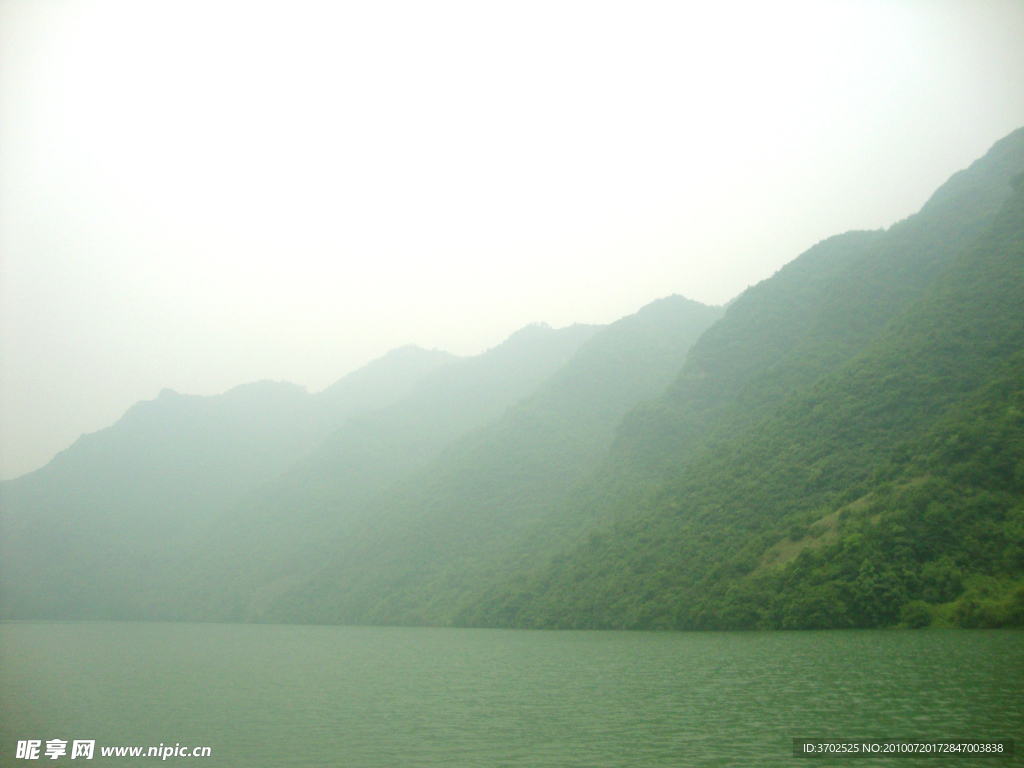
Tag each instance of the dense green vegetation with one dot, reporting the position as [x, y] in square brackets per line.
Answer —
[882, 489]
[780, 416]
[843, 446]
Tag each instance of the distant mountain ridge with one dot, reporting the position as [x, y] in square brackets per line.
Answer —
[496, 485]
[840, 446]
[124, 501]
[370, 454]
[665, 530]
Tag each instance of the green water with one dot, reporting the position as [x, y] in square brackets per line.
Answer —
[351, 696]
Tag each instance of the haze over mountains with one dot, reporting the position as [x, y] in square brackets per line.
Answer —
[842, 446]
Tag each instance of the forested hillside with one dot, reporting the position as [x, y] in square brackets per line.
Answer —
[889, 489]
[781, 335]
[775, 421]
[842, 446]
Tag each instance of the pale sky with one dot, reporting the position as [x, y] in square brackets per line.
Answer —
[198, 195]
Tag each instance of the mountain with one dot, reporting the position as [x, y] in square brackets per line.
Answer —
[427, 540]
[269, 537]
[116, 518]
[817, 312]
[864, 474]
[842, 445]
[120, 499]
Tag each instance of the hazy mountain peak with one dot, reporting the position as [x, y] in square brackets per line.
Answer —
[266, 386]
[985, 183]
[525, 335]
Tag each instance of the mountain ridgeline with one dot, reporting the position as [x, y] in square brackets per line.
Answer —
[842, 446]
[111, 526]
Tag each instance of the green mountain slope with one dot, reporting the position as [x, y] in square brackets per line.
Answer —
[782, 334]
[273, 535]
[813, 315]
[893, 478]
[843, 446]
[114, 527]
[375, 449]
[431, 541]
[115, 503]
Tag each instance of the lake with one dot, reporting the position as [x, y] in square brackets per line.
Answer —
[267, 695]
